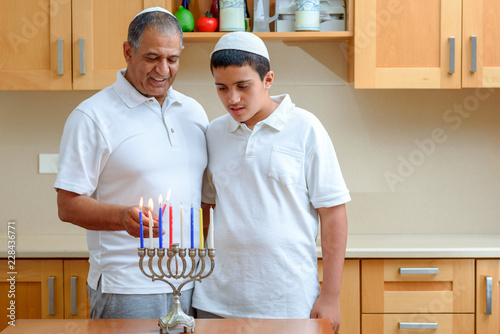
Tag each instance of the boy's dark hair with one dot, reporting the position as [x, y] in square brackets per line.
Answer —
[232, 57]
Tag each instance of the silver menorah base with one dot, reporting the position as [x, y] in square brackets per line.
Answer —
[176, 317]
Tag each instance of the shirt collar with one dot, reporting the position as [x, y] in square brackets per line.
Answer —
[276, 120]
[132, 97]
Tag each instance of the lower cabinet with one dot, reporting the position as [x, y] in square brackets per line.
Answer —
[417, 296]
[487, 296]
[349, 296]
[43, 289]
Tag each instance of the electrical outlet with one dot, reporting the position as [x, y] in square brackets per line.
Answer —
[48, 163]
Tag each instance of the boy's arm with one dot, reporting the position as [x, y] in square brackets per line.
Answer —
[333, 244]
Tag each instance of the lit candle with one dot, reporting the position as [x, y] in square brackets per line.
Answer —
[211, 232]
[192, 227]
[141, 202]
[201, 229]
[166, 200]
[182, 232]
[160, 225]
[171, 225]
[150, 207]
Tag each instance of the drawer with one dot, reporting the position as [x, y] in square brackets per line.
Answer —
[417, 286]
[417, 323]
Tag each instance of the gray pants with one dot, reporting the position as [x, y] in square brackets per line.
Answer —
[123, 306]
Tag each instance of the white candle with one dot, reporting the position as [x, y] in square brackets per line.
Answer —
[182, 232]
[211, 232]
[150, 207]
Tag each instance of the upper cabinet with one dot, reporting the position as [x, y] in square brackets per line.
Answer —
[420, 44]
[77, 44]
[35, 44]
[407, 44]
[481, 43]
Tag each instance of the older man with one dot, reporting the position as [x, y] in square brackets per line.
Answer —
[136, 138]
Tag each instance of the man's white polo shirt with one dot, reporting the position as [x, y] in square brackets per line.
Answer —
[120, 145]
[268, 183]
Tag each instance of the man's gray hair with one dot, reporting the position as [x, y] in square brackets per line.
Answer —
[158, 21]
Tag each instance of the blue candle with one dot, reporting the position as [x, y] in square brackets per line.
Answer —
[140, 222]
[192, 228]
[160, 214]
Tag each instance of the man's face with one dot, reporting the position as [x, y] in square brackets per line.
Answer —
[152, 69]
[244, 95]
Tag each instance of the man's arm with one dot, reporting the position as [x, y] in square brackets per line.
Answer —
[333, 244]
[91, 214]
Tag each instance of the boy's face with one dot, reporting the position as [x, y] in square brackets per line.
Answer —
[244, 95]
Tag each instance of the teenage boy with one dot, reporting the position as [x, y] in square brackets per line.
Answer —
[272, 171]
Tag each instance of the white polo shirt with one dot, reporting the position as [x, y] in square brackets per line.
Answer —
[267, 184]
[120, 145]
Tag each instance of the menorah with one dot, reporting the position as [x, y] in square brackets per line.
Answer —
[176, 317]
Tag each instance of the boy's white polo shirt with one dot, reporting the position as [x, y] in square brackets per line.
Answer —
[269, 183]
[120, 145]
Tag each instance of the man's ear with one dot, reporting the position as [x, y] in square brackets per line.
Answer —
[269, 79]
[128, 51]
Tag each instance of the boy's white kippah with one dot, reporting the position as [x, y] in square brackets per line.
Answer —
[154, 9]
[244, 41]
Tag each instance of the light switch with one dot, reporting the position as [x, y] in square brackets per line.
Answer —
[48, 163]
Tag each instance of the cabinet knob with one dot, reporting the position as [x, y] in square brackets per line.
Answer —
[60, 56]
[452, 55]
[489, 287]
[418, 325]
[81, 50]
[473, 53]
[419, 271]
[51, 296]
[74, 303]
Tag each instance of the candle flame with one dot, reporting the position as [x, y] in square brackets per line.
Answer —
[160, 200]
[150, 204]
[141, 202]
[168, 195]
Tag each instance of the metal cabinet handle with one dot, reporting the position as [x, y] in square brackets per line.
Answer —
[418, 325]
[452, 55]
[60, 58]
[81, 48]
[489, 286]
[473, 53]
[419, 271]
[51, 296]
[73, 295]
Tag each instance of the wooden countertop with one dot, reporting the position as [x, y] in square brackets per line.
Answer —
[358, 246]
[143, 326]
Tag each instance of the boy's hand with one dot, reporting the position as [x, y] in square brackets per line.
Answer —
[327, 308]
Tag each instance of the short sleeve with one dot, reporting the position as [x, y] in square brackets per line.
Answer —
[82, 155]
[324, 178]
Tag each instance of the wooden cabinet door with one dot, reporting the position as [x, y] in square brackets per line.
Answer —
[349, 296]
[407, 44]
[38, 289]
[481, 43]
[76, 299]
[487, 296]
[417, 286]
[99, 30]
[35, 45]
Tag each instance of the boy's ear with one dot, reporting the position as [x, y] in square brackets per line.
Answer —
[269, 79]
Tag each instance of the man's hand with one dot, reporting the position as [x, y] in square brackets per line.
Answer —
[327, 308]
[131, 222]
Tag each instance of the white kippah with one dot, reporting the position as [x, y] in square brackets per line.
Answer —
[154, 9]
[244, 41]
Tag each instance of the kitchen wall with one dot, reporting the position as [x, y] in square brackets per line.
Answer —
[415, 161]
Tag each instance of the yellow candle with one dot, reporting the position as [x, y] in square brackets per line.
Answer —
[201, 228]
